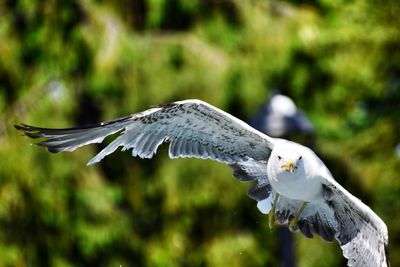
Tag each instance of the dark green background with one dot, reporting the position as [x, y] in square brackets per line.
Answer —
[67, 63]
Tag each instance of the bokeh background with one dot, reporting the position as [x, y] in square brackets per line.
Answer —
[67, 63]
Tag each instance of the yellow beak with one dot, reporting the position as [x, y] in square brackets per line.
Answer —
[288, 166]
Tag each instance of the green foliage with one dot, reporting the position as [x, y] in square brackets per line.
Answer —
[64, 63]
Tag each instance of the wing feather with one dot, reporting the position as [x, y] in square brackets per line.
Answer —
[192, 127]
[362, 235]
[255, 171]
[318, 218]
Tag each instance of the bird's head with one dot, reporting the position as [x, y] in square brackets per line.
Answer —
[288, 161]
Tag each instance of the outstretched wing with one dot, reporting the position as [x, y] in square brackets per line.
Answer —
[362, 235]
[192, 127]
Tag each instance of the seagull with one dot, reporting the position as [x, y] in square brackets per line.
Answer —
[290, 182]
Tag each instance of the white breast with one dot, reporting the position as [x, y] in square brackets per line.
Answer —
[297, 187]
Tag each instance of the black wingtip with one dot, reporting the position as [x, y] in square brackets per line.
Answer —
[20, 127]
[24, 127]
[29, 131]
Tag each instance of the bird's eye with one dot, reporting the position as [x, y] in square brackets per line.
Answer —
[300, 157]
[279, 157]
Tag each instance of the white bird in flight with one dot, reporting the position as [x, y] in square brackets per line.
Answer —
[290, 182]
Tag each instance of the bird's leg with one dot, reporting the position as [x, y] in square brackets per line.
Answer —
[293, 221]
[271, 215]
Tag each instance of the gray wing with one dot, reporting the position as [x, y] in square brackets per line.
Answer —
[362, 235]
[192, 127]
[256, 172]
